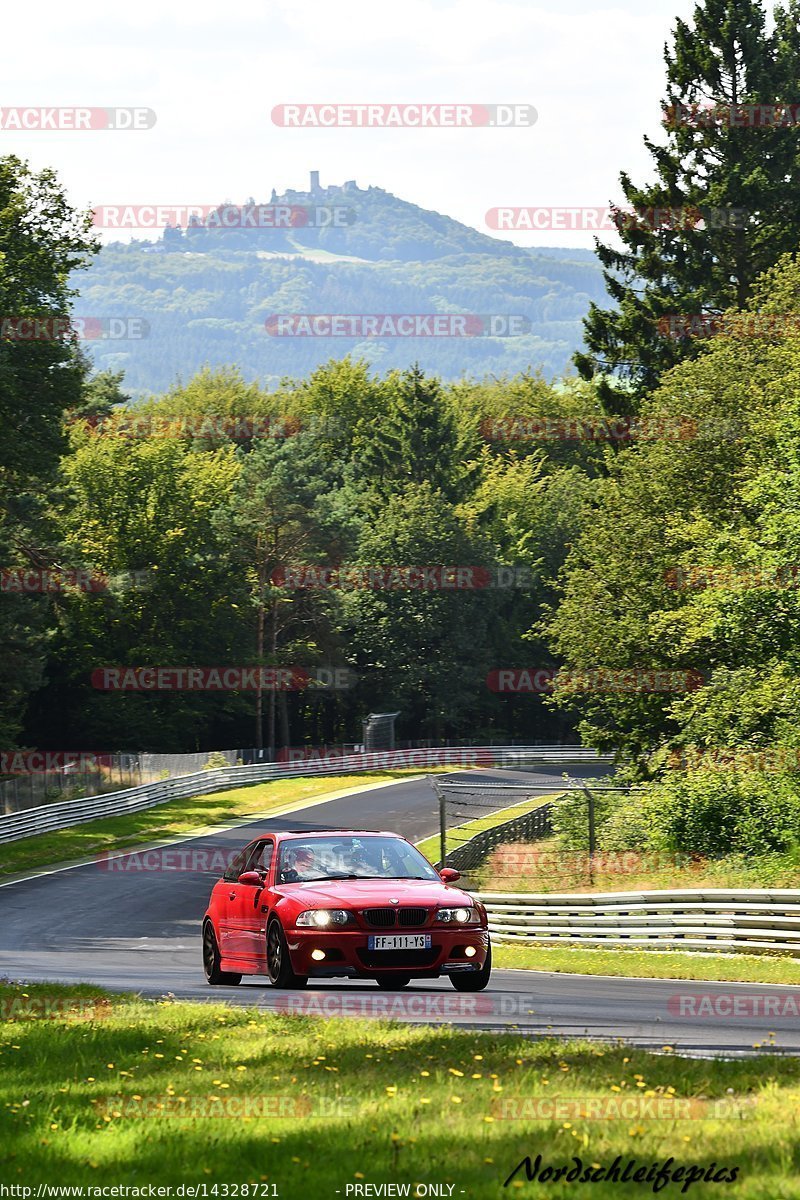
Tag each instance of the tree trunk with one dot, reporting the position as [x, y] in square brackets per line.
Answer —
[273, 660]
[260, 659]
[283, 707]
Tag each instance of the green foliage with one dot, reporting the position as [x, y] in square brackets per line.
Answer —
[147, 507]
[725, 57]
[42, 239]
[215, 760]
[723, 502]
[714, 813]
[413, 439]
[708, 813]
[424, 651]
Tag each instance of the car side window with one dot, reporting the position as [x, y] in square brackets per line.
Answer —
[236, 865]
[261, 857]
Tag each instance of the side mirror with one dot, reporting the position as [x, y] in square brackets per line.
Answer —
[449, 875]
[251, 878]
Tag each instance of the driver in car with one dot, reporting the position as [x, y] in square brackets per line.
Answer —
[304, 867]
[359, 864]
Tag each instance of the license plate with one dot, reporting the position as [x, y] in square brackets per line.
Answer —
[400, 941]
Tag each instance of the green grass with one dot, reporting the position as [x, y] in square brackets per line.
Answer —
[176, 817]
[650, 964]
[459, 834]
[365, 1101]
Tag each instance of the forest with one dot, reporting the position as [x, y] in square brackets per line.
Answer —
[608, 554]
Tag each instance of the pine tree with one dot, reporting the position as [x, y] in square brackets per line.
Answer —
[415, 440]
[738, 165]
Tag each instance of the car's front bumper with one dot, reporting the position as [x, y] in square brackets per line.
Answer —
[347, 953]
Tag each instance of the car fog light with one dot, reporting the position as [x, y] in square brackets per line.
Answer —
[318, 955]
[470, 951]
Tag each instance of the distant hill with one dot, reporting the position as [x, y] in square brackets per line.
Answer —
[207, 291]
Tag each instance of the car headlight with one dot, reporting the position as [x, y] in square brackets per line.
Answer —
[324, 918]
[458, 916]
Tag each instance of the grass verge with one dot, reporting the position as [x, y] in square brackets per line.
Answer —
[650, 964]
[170, 1093]
[176, 817]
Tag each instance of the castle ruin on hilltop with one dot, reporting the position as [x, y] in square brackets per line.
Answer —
[317, 192]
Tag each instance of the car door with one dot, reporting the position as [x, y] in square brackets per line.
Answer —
[225, 896]
[229, 905]
[247, 929]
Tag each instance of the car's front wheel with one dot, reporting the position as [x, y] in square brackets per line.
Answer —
[391, 983]
[279, 966]
[474, 981]
[211, 960]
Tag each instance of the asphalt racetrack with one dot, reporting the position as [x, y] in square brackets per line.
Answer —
[117, 925]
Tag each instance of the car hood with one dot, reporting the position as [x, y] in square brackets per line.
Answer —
[358, 893]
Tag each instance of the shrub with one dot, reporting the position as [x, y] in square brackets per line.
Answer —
[215, 759]
[714, 813]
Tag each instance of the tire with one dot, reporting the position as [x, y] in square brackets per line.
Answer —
[279, 966]
[211, 960]
[391, 983]
[474, 981]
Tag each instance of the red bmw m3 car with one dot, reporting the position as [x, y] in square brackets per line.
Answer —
[299, 905]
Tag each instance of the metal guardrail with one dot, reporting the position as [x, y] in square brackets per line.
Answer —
[691, 919]
[471, 854]
[63, 814]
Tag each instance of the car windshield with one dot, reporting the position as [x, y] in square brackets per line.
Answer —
[350, 857]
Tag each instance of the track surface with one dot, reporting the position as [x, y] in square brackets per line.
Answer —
[125, 928]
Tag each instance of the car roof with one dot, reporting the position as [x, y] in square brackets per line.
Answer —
[291, 834]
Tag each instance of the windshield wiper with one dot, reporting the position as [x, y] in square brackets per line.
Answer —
[388, 877]
[323, 878]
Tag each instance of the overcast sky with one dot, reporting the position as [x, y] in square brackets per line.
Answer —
[213, 73]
